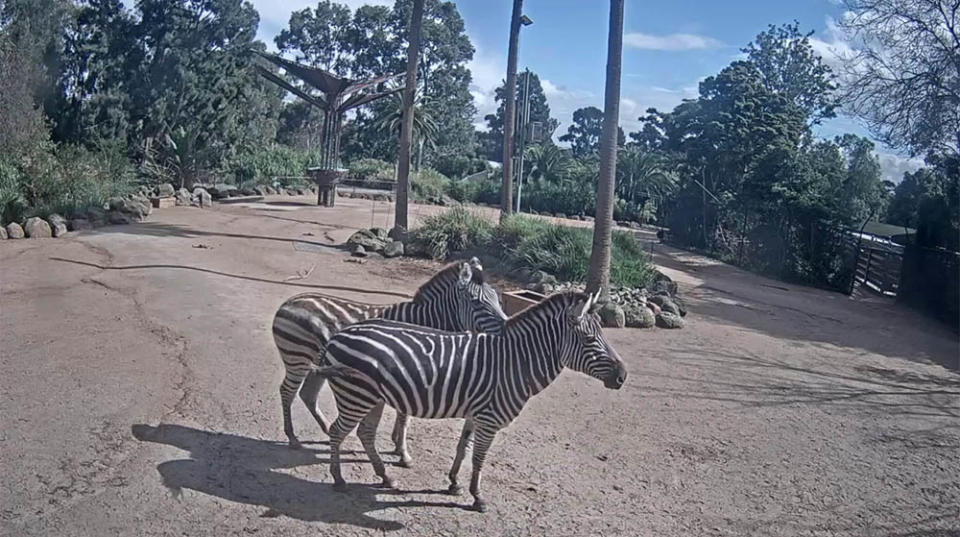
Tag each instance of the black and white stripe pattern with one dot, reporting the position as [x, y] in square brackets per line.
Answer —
[456, 298]
[484, 378]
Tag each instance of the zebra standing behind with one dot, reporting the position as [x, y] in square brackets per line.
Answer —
[484, 378]
[457, 299]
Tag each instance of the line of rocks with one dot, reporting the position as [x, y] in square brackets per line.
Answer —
[375, 240]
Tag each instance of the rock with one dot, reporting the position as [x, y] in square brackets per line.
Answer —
[612, 316]
[635, 225]
[3, 233]
[14, 231]
[380, 233]
[666, 304]
[96, 216]
[370, 241]
[183, 197]
[639, 316]
[399, 234]
[663, 283]
[201, 197]
[681, 305]
[669, 320]
[248, 191]
[260, 190]
[581, 218]
[382, 197]
[165, 190]
[393, 249]
[78, 224]
[58, 224]
[126, 211]
[416, 249]
[561, 215]
[221, 190]
[358, 251]
[37, 228]
[269, 190]
[539, 276]
[588, 218]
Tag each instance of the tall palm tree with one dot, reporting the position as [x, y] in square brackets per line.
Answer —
[643, 176]
[598, 276]
[425, 128]
[406, 130]
[547, 162]
[510, 111]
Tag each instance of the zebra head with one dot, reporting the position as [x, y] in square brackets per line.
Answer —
[590, 353]
[478, 304]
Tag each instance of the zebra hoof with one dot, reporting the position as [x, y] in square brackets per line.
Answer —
[294, 443]
[454, 489]
[388, 483]
[479, 505]
[340, 486]
[404, 462]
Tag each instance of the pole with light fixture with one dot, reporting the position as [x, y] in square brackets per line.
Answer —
[517, 19]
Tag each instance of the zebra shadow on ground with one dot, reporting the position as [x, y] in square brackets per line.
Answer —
[245, 470]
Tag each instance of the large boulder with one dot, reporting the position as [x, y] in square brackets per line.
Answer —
[3, 233]
[612, 316]
[370, 240]
[260, 190]
[358, 251]
[666, 304]
[165, 190]
[96, 216]
[37, 228]
[79, 224]
[669, 320]
[639, 316]
[14, 231]
[399, 234]
[220, 191]
[269, 190]
[58, 224]
[393, 249]
[201, 198]
[128, 211]
[249, 191]
[662, 283]
[184, 198]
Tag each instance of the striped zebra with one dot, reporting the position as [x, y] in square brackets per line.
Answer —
[457, 298]
[485, 378]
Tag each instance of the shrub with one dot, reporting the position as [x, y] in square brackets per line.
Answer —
[275, 164]
[429, 185]
[453, 231]
[371, 169]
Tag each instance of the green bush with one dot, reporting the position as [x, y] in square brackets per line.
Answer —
[453, 231]
[532, 243]
[371, 169]
[476, 191]
[12, 201]
[276, 163]
[428, 185]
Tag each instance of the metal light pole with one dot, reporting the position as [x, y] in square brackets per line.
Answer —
[509, 107]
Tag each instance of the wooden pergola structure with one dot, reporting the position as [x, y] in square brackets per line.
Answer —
[336, 96]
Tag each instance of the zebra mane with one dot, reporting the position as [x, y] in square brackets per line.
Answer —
[553, 303]
[445, 276]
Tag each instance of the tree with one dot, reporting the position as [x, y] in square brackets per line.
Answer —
[643, 176]
[904, 80]
[547, 162]
[598, 276]
[319, 37]
[406, 128]
[510, 112]
[585, 132]
[651, 135]
[789, 67]
[539, 113]
[424, 125]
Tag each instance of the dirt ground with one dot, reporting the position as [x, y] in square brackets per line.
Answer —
[139, 397]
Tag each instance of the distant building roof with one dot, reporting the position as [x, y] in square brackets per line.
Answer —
[886, 230]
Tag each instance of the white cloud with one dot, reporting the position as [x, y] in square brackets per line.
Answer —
[894, 166]
[550, 89]
[834, 46]
[670, 41]
[488, 72]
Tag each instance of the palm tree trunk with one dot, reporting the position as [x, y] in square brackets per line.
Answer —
[406, 127]
[510, 111]
[599, 275]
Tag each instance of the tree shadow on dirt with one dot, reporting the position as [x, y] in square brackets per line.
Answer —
[782, 310]
[247, 470]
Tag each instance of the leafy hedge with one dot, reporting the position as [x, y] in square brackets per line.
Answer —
[532, 243]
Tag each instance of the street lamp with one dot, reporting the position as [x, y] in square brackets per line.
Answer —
[517, 20]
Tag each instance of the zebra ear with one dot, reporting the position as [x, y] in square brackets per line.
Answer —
[475, 263]
[466, 274]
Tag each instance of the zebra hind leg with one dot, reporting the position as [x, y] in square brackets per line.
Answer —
[309, 392]
[368, 437]
[399, 437]
[288, 390]
[466, 439]
[483, 438]
[344, 424]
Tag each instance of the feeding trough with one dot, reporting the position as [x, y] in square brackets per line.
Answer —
[517, 301]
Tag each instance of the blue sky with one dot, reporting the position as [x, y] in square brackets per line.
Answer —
[669, 46]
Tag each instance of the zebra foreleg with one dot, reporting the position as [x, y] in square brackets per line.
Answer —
[399, 437]
[309, 392]
[483, 438]
[368, 437]
[466, 439]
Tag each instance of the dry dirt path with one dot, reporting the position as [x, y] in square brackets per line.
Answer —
[140, 399]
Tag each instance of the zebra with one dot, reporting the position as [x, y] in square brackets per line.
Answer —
[456, 298]
[485, 378]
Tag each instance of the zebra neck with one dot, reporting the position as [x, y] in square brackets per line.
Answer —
[531, 360]
[408, 312]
